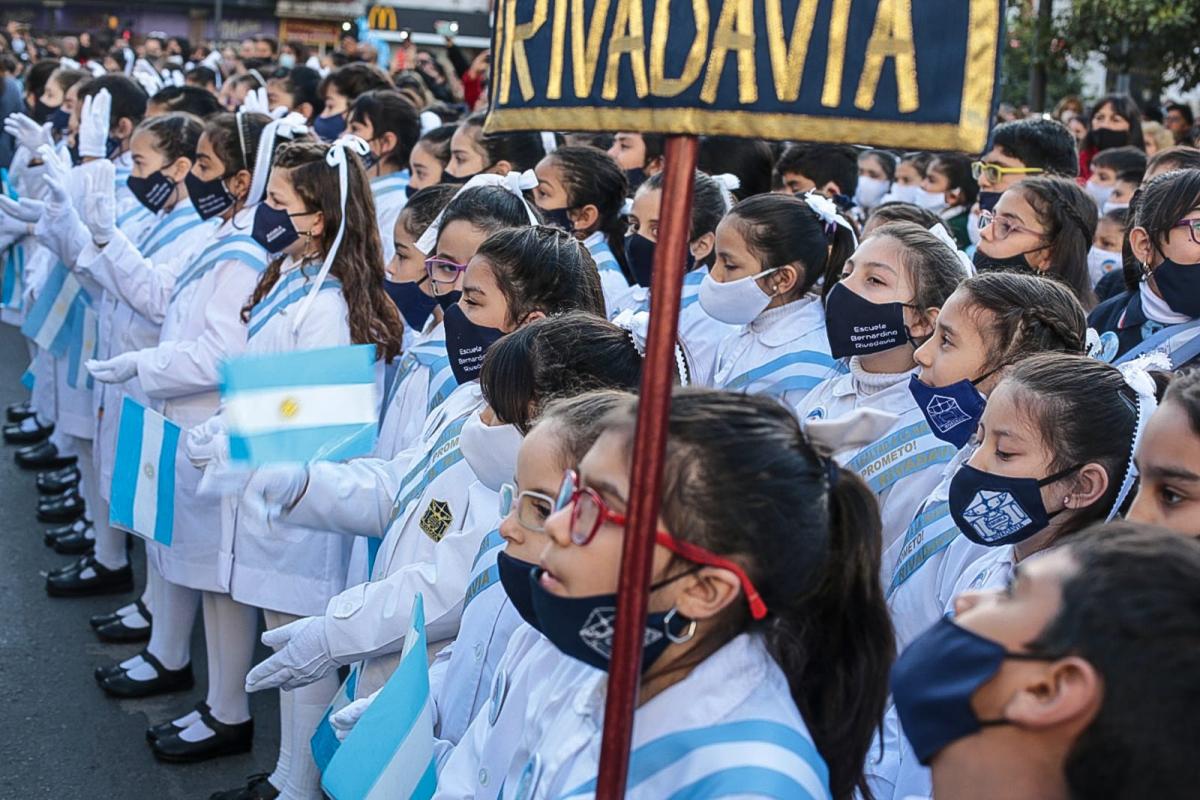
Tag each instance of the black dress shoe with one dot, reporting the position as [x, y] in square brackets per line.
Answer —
[120, 633]
[115, 668]
[227, 740]
[100, 620]
[67, 508]
[257, 787]
[78, 565]
[56, 480]
[166, 680]
[169, 727]
[101, 581]
[18, 411]
[43, 455]
[55, 531]
[76, 544]
[19, 433]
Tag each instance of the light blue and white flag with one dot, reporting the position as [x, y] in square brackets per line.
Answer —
[324, 742]
[299, 407]
[143, 486]
[49, 322]
[82, 346]
[389, 752]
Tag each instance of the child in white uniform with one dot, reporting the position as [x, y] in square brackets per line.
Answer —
[390, 127]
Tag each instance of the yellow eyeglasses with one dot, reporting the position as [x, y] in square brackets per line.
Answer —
[996, 172]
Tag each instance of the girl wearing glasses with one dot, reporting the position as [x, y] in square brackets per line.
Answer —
[756, 667]
[881, 310]
[1164, 238]
[1043, 226]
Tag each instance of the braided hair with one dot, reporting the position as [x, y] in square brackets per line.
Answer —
[590, 177]
[1069, 217]
[1027, 314]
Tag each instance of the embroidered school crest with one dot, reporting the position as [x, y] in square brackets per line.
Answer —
[945, 413]
[995, 515]
[436, 519]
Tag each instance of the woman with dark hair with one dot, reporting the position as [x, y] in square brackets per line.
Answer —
[1116, 121]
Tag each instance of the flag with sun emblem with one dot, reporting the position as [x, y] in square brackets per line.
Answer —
[304, 406]
[143, 487]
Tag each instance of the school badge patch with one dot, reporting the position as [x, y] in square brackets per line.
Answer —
[436, 519]
[945, 413]
[995, 515]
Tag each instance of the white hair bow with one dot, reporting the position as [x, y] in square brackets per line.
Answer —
[728, 183]
[289, 127]
[637, 325]
[515, 182]
[256, 102]
[1137, 377]
[825, 208]
[429, 121]
[939, 232]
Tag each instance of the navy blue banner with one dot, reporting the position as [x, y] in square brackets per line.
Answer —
[894, 73]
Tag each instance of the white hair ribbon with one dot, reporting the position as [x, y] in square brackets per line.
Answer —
[429, 121]
[939, 232]
[337, 157]
[289, 127]
[1137, 377]
[66, 62]
[637, 325]
[257, 76]
[728, 183]
[515, 182]
[549, 142]
[256, 102]
[827, 210]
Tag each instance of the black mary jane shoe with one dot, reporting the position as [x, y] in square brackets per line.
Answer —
[169, 728]
[16, 412]
[76, 544]
[66, 507]
[227, 740]
[78, 565]
[43, 456]
[20, 433]
[56, 532]
[101, 581]
[55, 481]
[120, 633]
[100, 620]
[115, 668]
[258, 787]
[164, 681]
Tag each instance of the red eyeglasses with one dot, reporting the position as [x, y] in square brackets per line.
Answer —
[589, 512]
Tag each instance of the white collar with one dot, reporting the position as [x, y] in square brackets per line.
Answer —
[789, 322]
[1157, 309]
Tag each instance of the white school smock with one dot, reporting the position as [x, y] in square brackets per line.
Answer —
[422, 382]
[728, 728]
[612, 280]
[426, 548]
[276, 565]
[390, 199]
[783, 353]
[699, 333]
[904, 465]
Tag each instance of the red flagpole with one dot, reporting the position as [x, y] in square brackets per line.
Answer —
[674, 226]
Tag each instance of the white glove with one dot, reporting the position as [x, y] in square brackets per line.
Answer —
[204, 445]
[271, 491]
[12, 229]
[146, 75]
[100, 203]
[28, 133]
[301, 657]
[117, 369]
[25, 209]
[94, 125]
[57, 180]
[344, 721]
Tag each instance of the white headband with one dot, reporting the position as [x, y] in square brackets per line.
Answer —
[288, 127]
[1138, 378]
[515, 182]
[825, 208]
[728, 183]
[429, 121]
[339, 158]
[637, 325]
[939, 232]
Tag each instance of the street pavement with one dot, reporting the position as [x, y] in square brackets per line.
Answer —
[61, 736]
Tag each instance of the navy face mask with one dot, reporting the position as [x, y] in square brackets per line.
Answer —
[466, 344]
[412, 303]
[583, 627]
[448, 299]
[988, 200]
[639, 254]
[559, 218]
[60, 120]
[994, 510]
[152, 191]
[1014, 263]
[210, 198]
[953, 412]
[857, 327]
[933, 682]
[329, 128]
[449, 177]
[517, 578]
[636, 177]
[1179, 285]
[41, 112]
[273, 228]
[410, 190]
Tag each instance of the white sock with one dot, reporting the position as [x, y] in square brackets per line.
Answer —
[229, 639]
[125, 611]
[130, 663]
[142, 672]
[174, 618]
[187, 719]
[29, 424]
[153, 578]
[110, 543]
[196, 732]
[300, 711]
[135, 621]
[42, 421]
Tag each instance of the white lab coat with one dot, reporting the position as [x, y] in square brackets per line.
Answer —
[902, 466]
[390, 199]
[426, 547]
[612, 279]
[783, 353]
[280, 566]
[197, 296]
[733, 712]
[422, 382]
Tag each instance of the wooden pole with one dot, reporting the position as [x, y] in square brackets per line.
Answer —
[674, 226]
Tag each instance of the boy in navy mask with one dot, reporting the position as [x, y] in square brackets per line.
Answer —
[1049, 689]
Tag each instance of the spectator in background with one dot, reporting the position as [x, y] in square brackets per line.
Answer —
[246, 49]
[202, 77]
[1115, 122]
[11, 102]
[1157, 137]
[266, 48]
[295, 54]
[1179, 121]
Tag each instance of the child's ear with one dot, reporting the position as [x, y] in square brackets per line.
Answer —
[318, 226]
[703, 246]
[123, 129]
[239, 184]
[830, 189]
[585, 217]
[922, 327]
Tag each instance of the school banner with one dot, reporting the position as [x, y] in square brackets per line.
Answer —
[896, 73]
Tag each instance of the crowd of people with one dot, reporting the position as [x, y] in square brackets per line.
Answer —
[929, 511]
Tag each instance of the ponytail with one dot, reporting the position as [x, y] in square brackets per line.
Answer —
[841, 247]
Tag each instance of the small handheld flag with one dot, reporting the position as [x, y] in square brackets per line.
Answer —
[389, 753]
[51, 319]
[298, 407]
[143, 487]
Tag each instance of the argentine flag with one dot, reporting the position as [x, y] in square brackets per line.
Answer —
[389, 753]
[143, 486]
[86, 332]
[51, 320]
[324, 742]
[304, 406]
